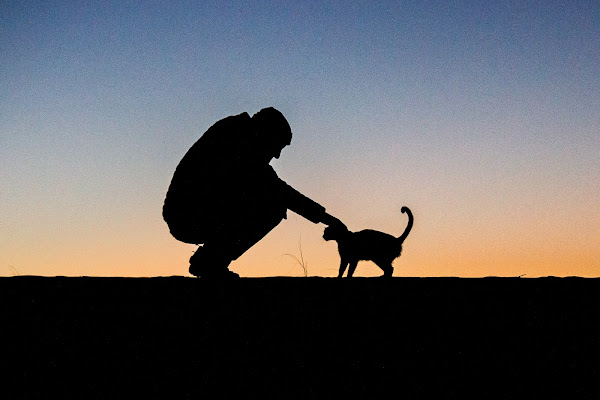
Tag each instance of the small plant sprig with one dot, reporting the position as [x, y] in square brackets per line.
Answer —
[300, 260]
[14, 271]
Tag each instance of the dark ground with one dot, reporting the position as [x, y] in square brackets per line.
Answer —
[300, 337]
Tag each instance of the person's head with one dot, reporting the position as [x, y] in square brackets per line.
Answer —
[272, 131]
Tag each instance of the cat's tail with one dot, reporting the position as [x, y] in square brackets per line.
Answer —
[406, 210]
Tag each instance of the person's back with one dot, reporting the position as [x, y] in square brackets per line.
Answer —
[206, 164]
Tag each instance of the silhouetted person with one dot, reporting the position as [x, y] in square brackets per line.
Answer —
[226, 196]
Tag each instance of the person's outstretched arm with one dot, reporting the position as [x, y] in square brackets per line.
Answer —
[309, 209]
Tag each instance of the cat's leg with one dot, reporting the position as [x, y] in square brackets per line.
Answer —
[343, 265]
[352, 268]
[387, 268]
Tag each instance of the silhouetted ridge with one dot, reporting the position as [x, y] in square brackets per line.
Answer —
[177, 337]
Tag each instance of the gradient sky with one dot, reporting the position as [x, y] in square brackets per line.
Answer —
[482, 117]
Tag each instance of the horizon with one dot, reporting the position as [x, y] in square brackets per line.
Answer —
[483, 119]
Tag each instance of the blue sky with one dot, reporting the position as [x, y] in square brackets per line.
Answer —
[477, 115]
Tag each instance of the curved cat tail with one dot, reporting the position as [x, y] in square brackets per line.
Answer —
[406, 210]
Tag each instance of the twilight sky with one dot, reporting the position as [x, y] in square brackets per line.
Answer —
[482, 117]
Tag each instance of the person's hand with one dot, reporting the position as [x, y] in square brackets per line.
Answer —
[332, 221]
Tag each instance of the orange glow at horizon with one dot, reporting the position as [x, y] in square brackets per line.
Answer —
[424, 255]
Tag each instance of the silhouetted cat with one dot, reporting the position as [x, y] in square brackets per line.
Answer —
[368, 244]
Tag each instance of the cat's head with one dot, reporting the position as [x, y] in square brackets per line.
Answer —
[334, 232]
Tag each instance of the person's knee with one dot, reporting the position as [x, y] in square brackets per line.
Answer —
[266, 219]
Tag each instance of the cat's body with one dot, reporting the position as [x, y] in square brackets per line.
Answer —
[368, 245]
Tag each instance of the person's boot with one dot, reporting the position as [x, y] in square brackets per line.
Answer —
[206, 265]
[196, 262]
[225, 274]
